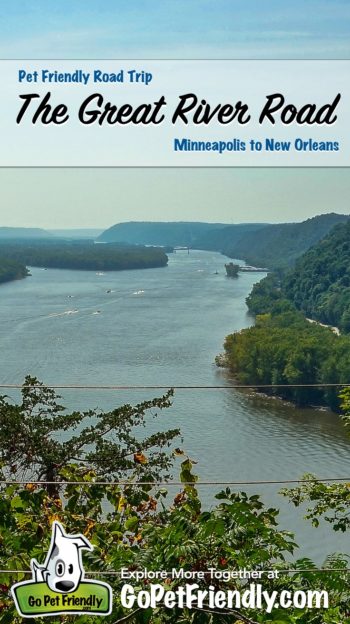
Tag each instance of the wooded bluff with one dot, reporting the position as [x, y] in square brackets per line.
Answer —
[284, 348]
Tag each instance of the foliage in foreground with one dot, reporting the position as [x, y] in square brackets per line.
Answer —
[134, 528]
[39, 438]
[140, 526]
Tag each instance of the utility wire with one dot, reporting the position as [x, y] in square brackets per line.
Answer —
[118, 573]
[176, 483]
[174, 387]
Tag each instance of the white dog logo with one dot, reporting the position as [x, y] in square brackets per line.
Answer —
[58, 586]
[63, 569]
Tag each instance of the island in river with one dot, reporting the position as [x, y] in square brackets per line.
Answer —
[16, 255]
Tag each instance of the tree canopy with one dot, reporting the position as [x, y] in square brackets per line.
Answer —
[289, 343]
[11, 270]
[83, 255]
[155, 528]
[39, 438]
[283, 348]
[319, 285]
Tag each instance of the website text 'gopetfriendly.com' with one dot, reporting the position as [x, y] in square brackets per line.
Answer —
[192, 596]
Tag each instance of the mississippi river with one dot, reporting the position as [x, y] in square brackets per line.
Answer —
[165, 326]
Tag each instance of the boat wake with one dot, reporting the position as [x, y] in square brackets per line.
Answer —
[66, 313]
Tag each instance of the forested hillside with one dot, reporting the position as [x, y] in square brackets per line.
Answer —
[284, 348]
[181, 233]
[272, 246]
[279, 246]
[224, 239]
[319, 285]
[27, 233]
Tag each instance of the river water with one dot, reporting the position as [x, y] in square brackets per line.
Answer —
[165, 326]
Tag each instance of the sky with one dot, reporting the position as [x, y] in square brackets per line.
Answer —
[57, 198]
[175, 29]
[171, 29]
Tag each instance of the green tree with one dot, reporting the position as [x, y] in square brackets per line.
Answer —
[286, 350]
[135, 527]
[138, 529]
[38, 438]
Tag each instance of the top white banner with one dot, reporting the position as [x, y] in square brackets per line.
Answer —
[121, 113]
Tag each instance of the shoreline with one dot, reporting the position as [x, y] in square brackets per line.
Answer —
[220, 360]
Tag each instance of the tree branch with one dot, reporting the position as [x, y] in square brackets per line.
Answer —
[237, 614]
[128, 617]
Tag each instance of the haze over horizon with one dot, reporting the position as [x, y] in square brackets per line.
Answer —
[99, 198]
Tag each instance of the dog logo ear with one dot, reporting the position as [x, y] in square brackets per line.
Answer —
[59, 534]
[57, 531]
[81, 542]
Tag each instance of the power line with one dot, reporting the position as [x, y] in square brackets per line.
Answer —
[118, 573]
[176, 483]
[174, 387]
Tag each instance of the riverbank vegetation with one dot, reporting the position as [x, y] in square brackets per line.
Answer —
[145, 526]
[284, 348]
[83, 255]
[11, 270]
